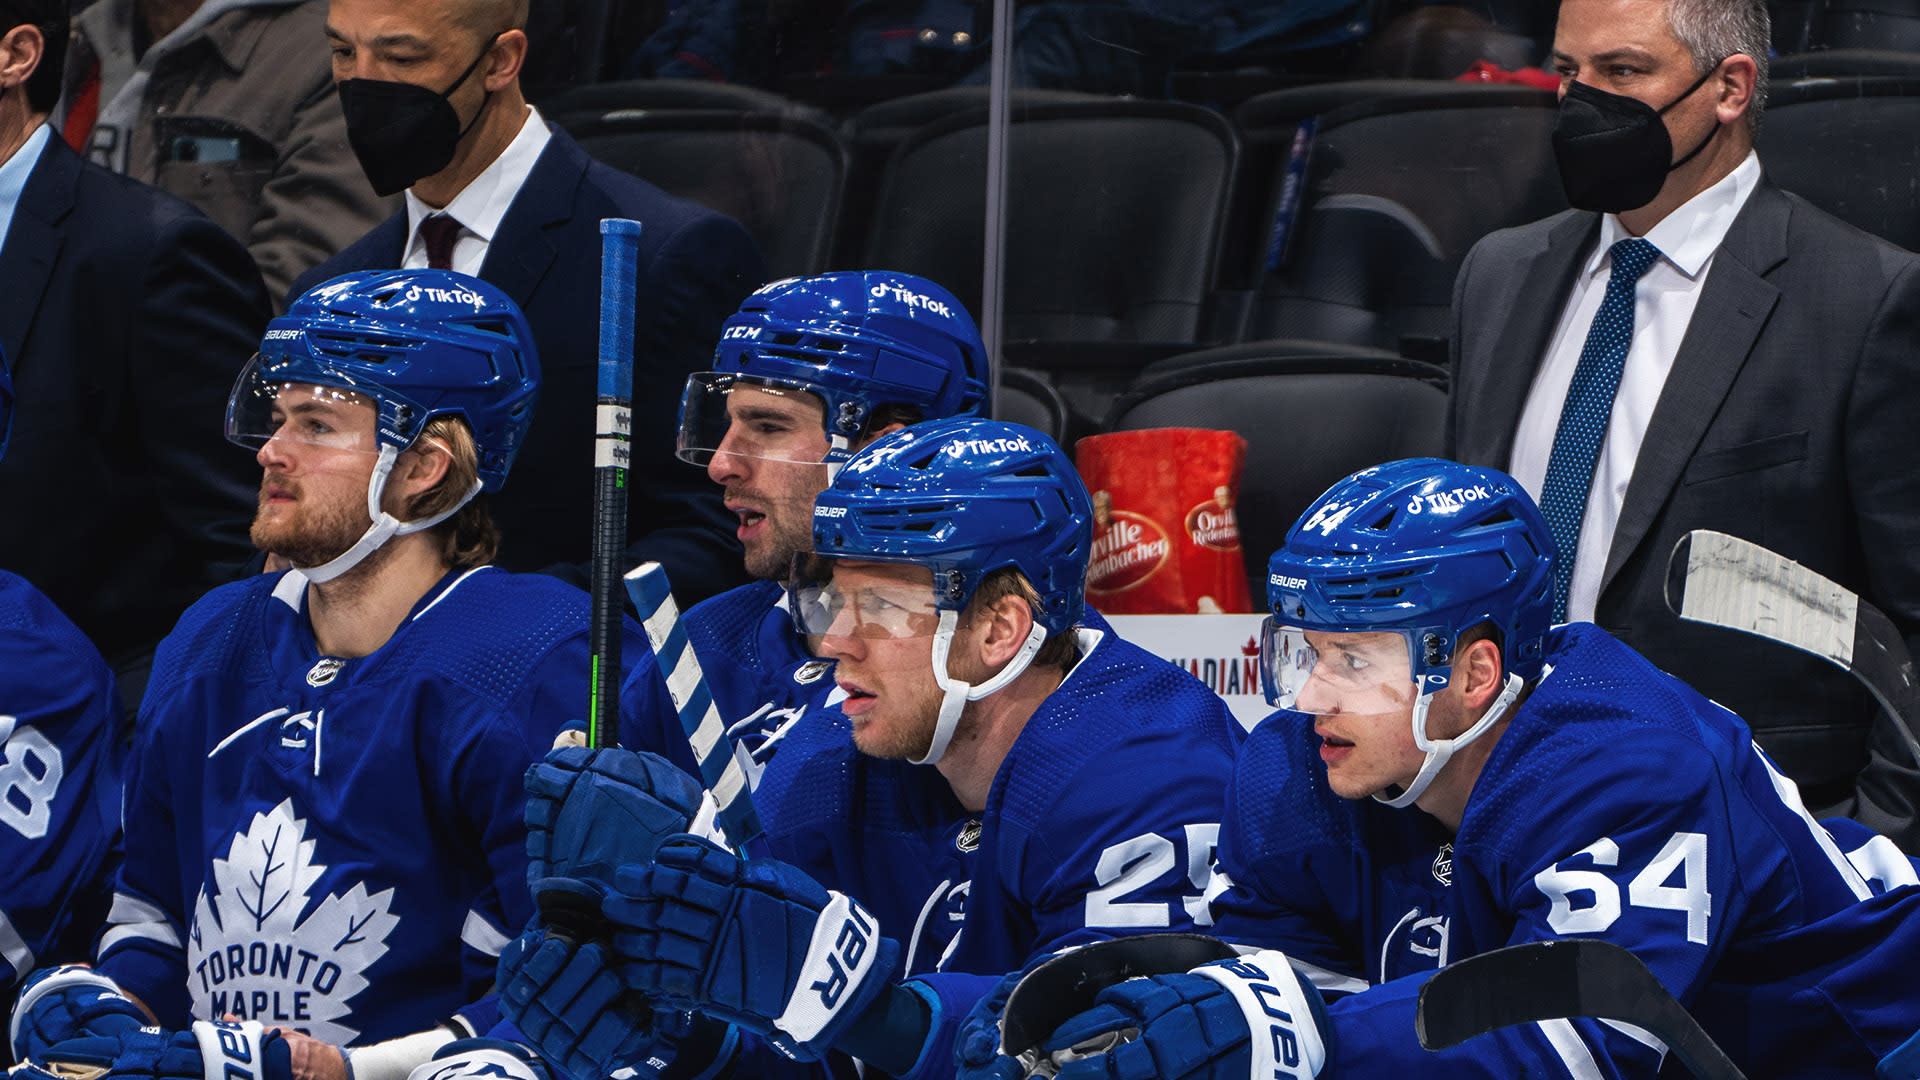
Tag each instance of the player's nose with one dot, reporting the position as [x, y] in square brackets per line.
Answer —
[726, 464]
[273, 452]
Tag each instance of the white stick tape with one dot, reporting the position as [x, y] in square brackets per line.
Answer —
[1731, 582]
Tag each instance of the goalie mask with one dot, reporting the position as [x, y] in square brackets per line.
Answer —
[849, 342]
[962, 498]
[1381, 576]
[412, 345]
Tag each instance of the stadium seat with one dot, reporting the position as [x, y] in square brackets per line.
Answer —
[1869, 24]
[1850, 146]
[1114, 216]
[1844, 63]
[1796, 25]
[674, 94]
[569, 42]
[873, 133]
[1025, 397]
[1309, 417]
[1367, 218]
[781, 176]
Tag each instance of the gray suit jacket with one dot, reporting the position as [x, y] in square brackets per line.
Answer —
[1791, 417]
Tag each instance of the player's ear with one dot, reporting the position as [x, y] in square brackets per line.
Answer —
[1006, 623]
[1480, 672]
[876, 435]
[420, 468]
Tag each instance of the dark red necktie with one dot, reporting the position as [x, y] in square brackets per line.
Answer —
[440, 231]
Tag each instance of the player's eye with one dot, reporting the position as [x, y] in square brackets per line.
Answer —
[316, 427]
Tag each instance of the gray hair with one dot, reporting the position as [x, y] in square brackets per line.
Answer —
[1713, 30]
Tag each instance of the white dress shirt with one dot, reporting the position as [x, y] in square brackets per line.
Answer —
[1663, 306]
[481, 204]
[14, 173]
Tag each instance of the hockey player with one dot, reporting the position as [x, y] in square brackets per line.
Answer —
[1449, 776]
[60, 762]
[809, 371]
[324, 818]
[1006, 777]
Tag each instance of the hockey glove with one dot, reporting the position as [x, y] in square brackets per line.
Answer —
[591, 811]
[483, 1059]
[757, 943]
[206, 1051]
[68, 1002]
[569, 1003]
[976, 1049]
[1249, 1017]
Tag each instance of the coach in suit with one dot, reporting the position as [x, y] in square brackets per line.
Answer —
[433, 104]
[1767, 361]
[126, 315]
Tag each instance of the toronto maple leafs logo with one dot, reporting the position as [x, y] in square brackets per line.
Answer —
[252, 954]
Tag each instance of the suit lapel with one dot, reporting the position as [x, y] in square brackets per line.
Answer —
[1543, 281]
[33, 242]
[1734, 305]
[521, 251]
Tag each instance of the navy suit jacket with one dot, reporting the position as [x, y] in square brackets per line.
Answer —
[695, 268]
[1787, 419]
[126, 316]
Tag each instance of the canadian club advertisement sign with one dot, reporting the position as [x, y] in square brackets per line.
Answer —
[1165, 536]
[1222, 651]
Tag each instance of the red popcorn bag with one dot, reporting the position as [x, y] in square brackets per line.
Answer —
[1165, 539]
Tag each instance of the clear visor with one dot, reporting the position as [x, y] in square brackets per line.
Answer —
[1327, 672]
[765, 419]
[262, 408]
[872, 600]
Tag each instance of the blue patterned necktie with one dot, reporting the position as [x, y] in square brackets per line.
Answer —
[1589, 405]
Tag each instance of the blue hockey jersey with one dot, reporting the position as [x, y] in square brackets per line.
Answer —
[337, 845]
[60, 765]
[757, 666]
[1101, 822]
[1617, 804]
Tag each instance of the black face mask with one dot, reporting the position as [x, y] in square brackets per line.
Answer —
[402, 132]
[1613, 151]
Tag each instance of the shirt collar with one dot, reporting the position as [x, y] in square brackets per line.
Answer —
[1688, 237]
[482, 204]
[14, 172]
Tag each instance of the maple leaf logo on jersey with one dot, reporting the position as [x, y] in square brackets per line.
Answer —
[251, 954]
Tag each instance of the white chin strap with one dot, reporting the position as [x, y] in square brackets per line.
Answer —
[1439, 750]
[385, 526]
[959, 693]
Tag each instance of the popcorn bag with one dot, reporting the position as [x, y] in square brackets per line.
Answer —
[1165, 538]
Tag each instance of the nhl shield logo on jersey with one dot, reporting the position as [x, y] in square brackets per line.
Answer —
[262, 949]
[1443, 864]
[324, 670]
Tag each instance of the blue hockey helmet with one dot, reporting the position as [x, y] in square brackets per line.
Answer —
[417, 344]
[1425, 549]
[857, 340]
[963, 497]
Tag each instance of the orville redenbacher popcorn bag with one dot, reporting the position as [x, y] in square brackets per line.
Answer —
[1165, 540]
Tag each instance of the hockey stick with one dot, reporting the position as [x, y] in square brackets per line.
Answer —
[1722, 580]
[720, 769]
[1553, 980]
[612, 449]
[1066, 985]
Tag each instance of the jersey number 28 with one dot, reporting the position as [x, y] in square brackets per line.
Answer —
[30, 775]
